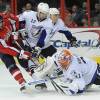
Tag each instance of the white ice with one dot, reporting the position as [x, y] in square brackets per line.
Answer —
[9, 90]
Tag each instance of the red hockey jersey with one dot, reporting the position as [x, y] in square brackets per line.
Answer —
[6, 42]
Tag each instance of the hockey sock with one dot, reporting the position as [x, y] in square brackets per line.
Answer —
[18, 76]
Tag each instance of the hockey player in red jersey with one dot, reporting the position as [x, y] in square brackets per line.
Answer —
[7, 52]
[12, 22]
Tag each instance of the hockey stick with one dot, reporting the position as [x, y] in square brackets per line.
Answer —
[31, 47]
[43, 80]
[51, 80]
[18, 45]
[34, 50]
[37, 55]
[22, 49]
[56, 86]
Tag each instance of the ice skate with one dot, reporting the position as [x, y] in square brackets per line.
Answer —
[41, 86]
[26, 89]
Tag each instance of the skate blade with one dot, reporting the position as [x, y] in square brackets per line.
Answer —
[41, 89]
[27, 91]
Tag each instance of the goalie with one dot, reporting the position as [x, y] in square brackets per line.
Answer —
[78, 71]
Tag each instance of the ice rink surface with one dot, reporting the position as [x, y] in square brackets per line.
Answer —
[9, 90]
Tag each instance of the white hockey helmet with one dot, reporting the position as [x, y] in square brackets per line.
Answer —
[54, 11]
[43, 7]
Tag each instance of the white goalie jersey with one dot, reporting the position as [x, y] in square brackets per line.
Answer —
[80, 67]
[80, 73]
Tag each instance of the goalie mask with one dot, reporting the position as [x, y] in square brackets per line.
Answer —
[64, 58]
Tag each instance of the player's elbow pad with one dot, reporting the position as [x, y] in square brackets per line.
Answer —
[67, 34]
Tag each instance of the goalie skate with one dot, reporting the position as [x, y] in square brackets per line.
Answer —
[41, 86]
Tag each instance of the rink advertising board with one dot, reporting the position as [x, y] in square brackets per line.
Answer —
[87, 39]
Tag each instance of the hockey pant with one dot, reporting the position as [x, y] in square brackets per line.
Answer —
[12, 67]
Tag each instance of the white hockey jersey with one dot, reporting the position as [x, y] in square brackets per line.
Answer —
[80, 67]
[33, 25]
[59, 25]
[80, 72]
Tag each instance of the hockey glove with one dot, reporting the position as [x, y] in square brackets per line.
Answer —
[73, 42]
[25, 55]
[36, 51]
[23, 33]
[98, 44]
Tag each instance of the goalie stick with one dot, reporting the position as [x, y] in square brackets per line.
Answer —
[55, 85]
[40, 81]
[52, 82]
